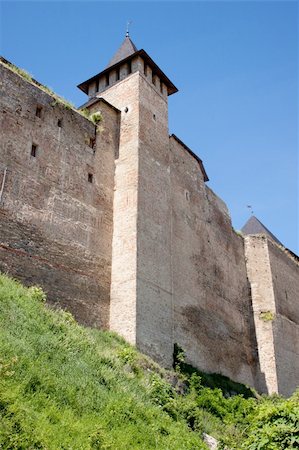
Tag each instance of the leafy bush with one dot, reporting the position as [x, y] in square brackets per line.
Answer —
[213, 380]
[96, 117]
[274, 424]
[160, 391]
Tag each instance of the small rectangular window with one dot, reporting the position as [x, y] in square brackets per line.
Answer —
[59, 123]
[38, 111]
[90, 178]
[154, 79]
[107, 79]
[161, 87]
[34, 150]
[145, 70]
[117, 74]
[129, 67]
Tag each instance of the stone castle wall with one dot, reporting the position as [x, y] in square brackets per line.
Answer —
[192, 286]
[145, 249]
[212, 304]
[274, 278]
[56, 226]
[285, 277]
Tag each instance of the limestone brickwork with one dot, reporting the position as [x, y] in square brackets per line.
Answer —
[163, 241]
[154, 276]
[274, 277]
[56, 226]
[116, 222]
[210, 287]
[141, 301]
[124, 248]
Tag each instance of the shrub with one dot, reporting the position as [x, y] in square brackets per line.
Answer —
[274, 424]
[96, 117]
[36, 293]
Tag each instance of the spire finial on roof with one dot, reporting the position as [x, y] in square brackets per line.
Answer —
[250, 209]
[126, 49]
[254, 226]
[128, 28]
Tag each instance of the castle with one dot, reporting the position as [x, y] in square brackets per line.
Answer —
[115, 221]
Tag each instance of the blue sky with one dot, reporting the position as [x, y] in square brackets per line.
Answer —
[235, 64]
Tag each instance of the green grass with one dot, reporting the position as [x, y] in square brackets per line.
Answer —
[63, 386]
[58, 100]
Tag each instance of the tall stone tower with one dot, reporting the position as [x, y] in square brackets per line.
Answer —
[141, 285]
[179, 272]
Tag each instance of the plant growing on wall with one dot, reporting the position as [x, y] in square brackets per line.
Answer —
[267, 316]
[96, 117]
[64, 103]
[178, 356]
[57, 100]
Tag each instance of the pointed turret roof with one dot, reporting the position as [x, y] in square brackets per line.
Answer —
[254, 226]
[126, 49]
[126, 52]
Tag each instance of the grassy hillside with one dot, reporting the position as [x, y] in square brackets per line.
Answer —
[63, 386]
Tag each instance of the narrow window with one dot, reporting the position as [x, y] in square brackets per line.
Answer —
[161, 87]
[145, 70]
[154, 116]
[90, 178]
[34, 150]
[59, 123]
[38, 111]
[154, 79]
[117, 74]
[107, 79]
[129, 67]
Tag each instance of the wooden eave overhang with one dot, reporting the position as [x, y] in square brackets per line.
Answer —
[203, 171]
[171, 89]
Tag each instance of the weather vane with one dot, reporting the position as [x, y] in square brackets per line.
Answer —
[250, 209]
[128, 28]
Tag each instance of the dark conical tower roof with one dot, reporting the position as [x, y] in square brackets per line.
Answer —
[126, 49]
[254, 226]
[126, 53]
